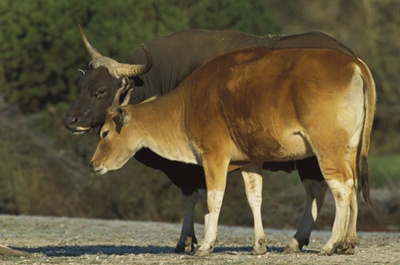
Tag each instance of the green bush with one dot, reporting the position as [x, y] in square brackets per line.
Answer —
[385, 170]
[41, 50]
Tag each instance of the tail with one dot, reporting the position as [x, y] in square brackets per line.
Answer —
[369, 107]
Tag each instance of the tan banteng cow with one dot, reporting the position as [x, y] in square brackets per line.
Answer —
[257, 105]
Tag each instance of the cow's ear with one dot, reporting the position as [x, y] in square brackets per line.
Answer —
[123, 116]
[138, 81]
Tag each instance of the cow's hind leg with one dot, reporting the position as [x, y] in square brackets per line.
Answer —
[187, 239]
[252, 177]
[332, 154]
[342, 193]
[341, 183]
[315, 187]
[348, 246]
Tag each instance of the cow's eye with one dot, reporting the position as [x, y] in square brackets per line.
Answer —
[104, 134]
[100, 93]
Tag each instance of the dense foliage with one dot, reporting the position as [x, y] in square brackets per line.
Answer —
[41, 49]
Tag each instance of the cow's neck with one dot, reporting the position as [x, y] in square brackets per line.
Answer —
[161, 122]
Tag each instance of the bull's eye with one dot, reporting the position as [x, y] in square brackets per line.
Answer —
[104, 134]
[100, 94]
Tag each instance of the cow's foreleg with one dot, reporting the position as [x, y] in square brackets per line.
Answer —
[252, 177]
[187, 239]
[215, 170]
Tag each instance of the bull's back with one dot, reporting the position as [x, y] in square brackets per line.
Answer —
[262, 99]
[176, 56]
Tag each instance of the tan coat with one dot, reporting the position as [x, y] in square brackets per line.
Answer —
[257, 105]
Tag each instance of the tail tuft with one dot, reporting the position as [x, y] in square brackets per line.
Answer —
[364, 183]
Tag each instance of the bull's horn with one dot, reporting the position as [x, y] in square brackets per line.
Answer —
[91, 50]
[132, 70]
[116, 69]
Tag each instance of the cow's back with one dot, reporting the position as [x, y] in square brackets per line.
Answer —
[254, 97]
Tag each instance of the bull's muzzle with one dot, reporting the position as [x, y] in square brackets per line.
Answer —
[72, 124]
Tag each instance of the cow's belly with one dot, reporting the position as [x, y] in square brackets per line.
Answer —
[286, 146]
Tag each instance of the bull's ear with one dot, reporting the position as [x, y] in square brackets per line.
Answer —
[123, 116]
[82, 72]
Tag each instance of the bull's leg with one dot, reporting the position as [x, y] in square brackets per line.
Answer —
[187, 238]
[315, 193]
[253, 183]
[215, 169]
[203, 200]
[315, 187]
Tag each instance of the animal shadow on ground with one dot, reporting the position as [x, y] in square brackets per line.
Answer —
[75, 251]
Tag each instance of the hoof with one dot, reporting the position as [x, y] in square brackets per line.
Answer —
[325, 252]
[179, 249]
[290, 250]
[260, 248]
[197, 252]
[346, 249]
[188, 247]
[292, 247]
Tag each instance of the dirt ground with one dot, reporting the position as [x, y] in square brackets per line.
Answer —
[55, 240]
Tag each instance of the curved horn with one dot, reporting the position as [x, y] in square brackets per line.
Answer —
[116, 69]
[91, 50]
[132, 70]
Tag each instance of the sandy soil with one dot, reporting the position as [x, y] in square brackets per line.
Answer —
[52, 240]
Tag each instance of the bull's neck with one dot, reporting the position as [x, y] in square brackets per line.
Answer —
[162, 123]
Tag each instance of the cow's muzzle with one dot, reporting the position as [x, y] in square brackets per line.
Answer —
[98, 170]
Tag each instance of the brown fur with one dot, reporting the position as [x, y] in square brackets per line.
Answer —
[258, 105]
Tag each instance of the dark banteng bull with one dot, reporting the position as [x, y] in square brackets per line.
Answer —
[175, 57]
[257, 105]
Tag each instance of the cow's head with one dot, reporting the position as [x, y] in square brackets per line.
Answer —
[117, 143]
[97, 88]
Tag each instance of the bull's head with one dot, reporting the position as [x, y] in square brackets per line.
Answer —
[97, 88]
[117, 143]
